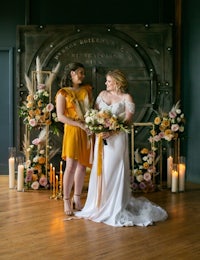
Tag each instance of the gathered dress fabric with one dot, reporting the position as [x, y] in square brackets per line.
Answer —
[75, 141]
[114, 204]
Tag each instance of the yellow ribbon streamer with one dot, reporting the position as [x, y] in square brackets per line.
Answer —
[99, 168]
[100, 154]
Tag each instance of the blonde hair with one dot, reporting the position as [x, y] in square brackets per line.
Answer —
[120, 79]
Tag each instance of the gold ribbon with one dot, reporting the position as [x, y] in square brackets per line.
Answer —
[99, 168]
[90, 145]
[100, 154]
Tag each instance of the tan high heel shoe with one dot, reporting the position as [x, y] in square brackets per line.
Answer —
[67, 207]
[76, 202]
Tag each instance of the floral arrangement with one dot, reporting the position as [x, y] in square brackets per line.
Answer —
[35, 165]
[98, 121]
[168, 126]
[37, 109]
[144, 170]
[38, 114]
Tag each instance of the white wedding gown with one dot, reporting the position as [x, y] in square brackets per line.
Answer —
[117, 205]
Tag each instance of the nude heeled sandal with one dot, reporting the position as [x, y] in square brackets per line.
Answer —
[76, 202]
[67, 207]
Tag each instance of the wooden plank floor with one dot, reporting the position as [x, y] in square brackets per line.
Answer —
[32, 226]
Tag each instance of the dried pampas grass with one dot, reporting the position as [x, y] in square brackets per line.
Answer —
[50, 79]
[38, 70]
[29, 85]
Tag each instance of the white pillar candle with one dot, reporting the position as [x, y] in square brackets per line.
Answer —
[169, 171]
[174, 187]
[11, 164]
[20, 177]
[181, 176]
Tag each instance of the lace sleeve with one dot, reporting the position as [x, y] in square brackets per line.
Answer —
[130, 106]
[98, 100]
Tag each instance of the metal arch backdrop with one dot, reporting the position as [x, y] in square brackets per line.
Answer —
[142, 52]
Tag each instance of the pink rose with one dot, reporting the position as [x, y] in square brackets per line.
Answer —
[172, 114]
[32, 122]
[175, 127]
[147, 176]
[35, 185]
[43, 181]
[36, 141]
[49, 107]
[41, 86]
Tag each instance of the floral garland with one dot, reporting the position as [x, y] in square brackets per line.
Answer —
[38, 113]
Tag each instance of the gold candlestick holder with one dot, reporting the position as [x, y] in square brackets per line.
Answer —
[57, 192]
[60, 195]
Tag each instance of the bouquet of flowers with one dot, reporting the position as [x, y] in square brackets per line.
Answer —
[168, 126]
[144, 170]
[98, 121]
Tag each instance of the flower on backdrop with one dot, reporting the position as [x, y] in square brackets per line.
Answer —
[144, 170]
[168, 126]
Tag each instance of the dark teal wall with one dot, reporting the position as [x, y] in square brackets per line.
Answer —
[110, 11]
[11, 14]
[191, 84]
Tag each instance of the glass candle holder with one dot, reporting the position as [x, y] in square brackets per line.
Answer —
[20, 173]
[11, 166]
[169, 170]
[174, 187]
[181, 171]
[11, 152]
[170, 161]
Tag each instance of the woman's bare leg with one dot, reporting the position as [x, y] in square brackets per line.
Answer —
[78, 185]
[68, 180]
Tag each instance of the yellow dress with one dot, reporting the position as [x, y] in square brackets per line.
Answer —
[75, 140]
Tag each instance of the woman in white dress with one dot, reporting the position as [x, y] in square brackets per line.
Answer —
[109, 199]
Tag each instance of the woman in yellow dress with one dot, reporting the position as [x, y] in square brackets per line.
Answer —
[72, 101]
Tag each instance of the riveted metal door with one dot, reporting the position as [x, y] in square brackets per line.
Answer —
[142, 52]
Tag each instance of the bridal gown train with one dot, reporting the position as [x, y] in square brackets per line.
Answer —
[116, 206]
